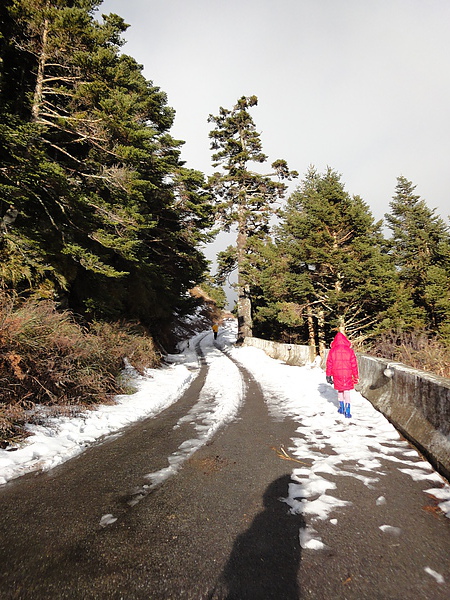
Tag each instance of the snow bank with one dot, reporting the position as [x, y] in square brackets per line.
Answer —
[64, 437]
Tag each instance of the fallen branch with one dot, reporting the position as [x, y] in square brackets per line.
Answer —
[281, 453]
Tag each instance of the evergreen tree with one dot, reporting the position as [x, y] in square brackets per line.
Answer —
[214, 291]
[420, 248]
[245, 198]
[276, 314]
[336, 272]
[105, 207]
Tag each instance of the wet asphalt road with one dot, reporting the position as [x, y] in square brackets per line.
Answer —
[216, 530]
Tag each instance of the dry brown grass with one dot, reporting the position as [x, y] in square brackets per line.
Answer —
[416, 349]
[48, 358]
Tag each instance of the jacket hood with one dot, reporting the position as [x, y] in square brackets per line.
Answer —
[340, 340]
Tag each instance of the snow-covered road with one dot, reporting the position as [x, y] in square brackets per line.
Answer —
[298, 392]
[326, 446]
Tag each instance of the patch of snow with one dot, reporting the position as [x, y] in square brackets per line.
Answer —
[390, 529]
[434, 574]
[420, 476]
[64, 437]
[107, 520]
[442, 493]
[310, 540]
[218, 404]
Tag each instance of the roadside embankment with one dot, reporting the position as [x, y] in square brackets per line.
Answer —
[416, 402]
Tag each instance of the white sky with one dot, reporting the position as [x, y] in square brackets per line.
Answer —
[362, 86]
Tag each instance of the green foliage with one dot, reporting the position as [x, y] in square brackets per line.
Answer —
[328, 266]
[420, 249]
[226, 263]
[214, 291]
[245, 198]
[24, 270]
[111, 215]
[328, 261]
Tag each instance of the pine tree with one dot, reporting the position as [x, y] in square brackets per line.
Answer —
[420, 248]
[337, 272]
[48, 175]
[245, 198]
[276, 314]
[111, 215]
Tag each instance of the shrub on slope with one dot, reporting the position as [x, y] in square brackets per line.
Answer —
[48, 358]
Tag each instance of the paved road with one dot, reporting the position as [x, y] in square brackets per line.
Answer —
[216, 530]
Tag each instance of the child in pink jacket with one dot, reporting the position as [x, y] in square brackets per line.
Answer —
[342, 371]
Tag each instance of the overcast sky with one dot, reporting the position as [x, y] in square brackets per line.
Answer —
[362, 86]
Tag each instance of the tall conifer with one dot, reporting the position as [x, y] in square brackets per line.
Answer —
[336, 271]
[420, 248]
[245, 197]
[104, 202]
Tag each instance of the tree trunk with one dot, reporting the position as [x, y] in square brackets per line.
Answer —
[244, 306]
[245, 325]
[312, 334]
[38, 89]
[321, 331]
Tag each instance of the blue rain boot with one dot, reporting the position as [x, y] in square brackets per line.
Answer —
[347, 411]
[341, 407]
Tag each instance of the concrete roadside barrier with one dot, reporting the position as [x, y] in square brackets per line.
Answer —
[291, 354]
[416, 402]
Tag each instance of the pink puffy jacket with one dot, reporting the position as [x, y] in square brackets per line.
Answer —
[342, 364]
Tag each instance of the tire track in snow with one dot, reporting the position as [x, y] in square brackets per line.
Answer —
[217, 405]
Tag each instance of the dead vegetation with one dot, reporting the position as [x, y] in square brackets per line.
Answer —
[49, 359]
[417, 349]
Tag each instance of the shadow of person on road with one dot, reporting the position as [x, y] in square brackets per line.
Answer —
[329, 393]
[265, 559]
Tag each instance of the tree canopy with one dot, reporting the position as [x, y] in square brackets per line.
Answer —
[107, 218]
[327, 267]
[420, 249]
[99, 213]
